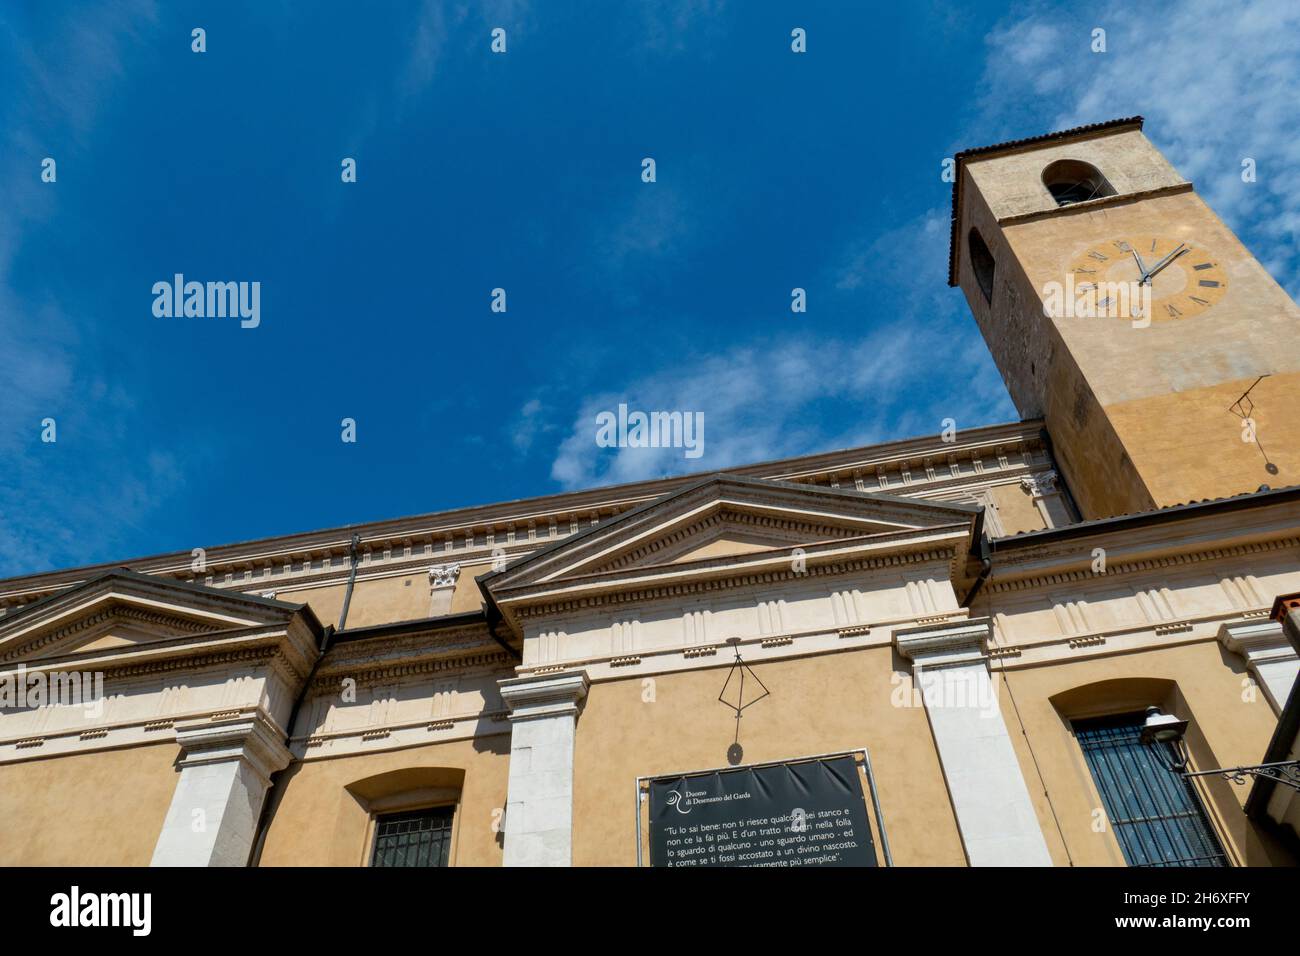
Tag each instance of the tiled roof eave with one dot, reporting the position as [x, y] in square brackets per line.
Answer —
[1010, 146]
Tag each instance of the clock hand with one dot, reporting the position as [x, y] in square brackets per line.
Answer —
[1182, 247]
[1142, 270]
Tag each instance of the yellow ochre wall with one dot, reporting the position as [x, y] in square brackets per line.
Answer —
[404, 597]
[103, 808]
[318, 822]
[1016, 510]
[821, 704]
[1206, 684]
[1166, 389]
[1139, 417]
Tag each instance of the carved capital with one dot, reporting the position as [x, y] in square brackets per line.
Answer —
[444, 575]
[442, 584]
[1040, 484]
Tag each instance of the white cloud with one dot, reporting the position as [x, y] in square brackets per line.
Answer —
[773, 400]
[530, 424]
[1217, 84]
[427, 42]
[654, 224]
[60, 502]
[670, 27]
[437, 22]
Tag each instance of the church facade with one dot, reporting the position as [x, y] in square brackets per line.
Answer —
[959, 637]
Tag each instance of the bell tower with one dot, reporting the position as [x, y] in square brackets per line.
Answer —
[1118, 307]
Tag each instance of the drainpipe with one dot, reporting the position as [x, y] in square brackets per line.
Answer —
[353, 553]
[986, 561]
[273, 792]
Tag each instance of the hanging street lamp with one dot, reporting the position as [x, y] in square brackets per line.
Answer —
[1167, 734]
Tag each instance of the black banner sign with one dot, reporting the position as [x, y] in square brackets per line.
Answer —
[808, 813]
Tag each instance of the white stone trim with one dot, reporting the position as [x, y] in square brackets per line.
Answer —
[996, 817]
[1270, 658]
[1046, 495]
[544, 696]
[539, 806]
[225, 772]
[947, 644]
[442, 584]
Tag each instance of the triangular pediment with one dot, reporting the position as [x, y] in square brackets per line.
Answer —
[726, 521]
[122, 610]
[727, 530]
[726, 543]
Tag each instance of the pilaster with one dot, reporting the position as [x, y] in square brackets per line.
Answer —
[539, 807]
[225, 771]
[995, 814]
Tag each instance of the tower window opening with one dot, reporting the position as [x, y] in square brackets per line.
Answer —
[981, 261]
[1072, 180]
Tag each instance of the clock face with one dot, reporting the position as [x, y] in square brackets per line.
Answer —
[1184, 279]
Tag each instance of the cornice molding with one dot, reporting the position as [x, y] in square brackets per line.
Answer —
[423, 651]
[401, 538]
[1121, 568]
[1091, 205]
[369, 675]
[953, 643]
[637, 595]
[1256, 640]
[250, 739]
[551, 695]
[114, 611]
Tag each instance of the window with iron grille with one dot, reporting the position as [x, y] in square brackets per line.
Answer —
[1157, 816]
[413, 838]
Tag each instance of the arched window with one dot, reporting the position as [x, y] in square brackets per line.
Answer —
[407, 816]
[981, 261]
[1156, 815]
[1072, 180]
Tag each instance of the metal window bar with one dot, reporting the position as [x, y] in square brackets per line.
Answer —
[1157, 816]
[413, 838]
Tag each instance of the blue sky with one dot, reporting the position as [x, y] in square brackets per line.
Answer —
[522, 171]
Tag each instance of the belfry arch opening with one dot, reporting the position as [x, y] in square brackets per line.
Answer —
[1072, 180]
